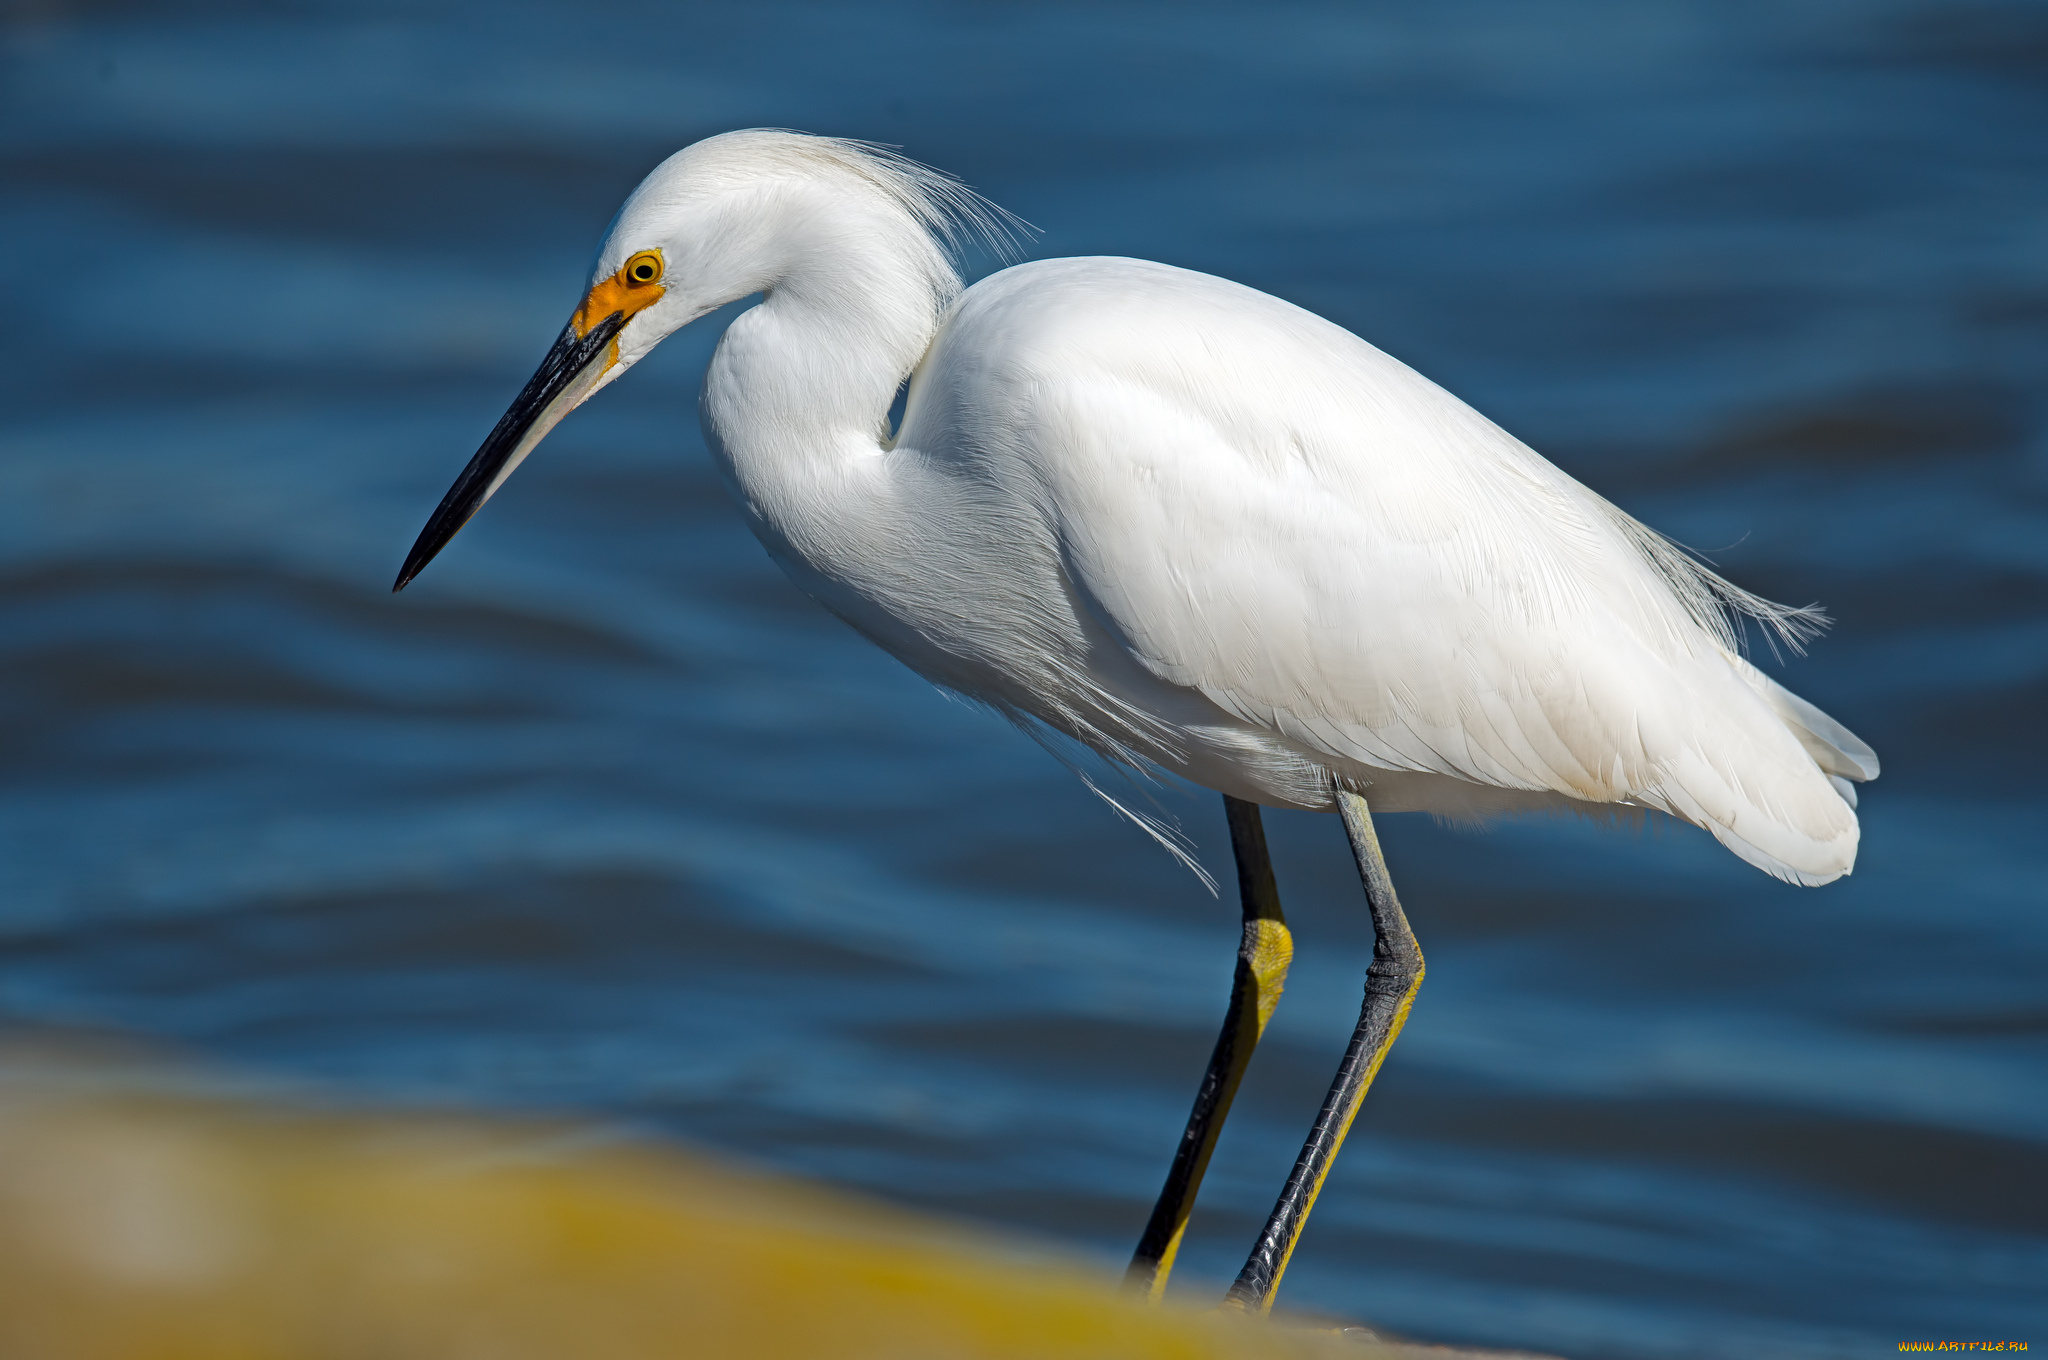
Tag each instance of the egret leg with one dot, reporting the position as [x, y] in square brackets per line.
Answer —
[1262, 958]
[1390, 986]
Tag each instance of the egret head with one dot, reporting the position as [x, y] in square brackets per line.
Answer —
[636, 297]
[731, 216]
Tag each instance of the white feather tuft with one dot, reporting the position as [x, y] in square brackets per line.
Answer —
[955, 215]
[1716, 603]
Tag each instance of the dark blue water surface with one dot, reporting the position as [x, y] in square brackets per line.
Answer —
[603, 816]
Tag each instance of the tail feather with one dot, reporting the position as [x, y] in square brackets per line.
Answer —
[1771, 777]
[1764, 836]
[1833, 747]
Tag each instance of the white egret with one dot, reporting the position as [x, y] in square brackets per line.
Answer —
[1198, 530]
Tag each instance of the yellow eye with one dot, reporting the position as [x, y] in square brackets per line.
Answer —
[642, 269]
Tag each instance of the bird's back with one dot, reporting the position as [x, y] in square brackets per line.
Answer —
[1319, 560]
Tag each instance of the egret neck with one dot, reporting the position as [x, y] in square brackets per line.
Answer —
[796, 399]
[795, 408]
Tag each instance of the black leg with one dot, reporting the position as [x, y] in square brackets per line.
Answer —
[1262, 959]
[1390, 986]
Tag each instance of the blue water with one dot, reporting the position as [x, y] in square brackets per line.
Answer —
[603, 816]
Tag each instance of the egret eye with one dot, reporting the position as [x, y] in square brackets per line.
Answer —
[642, 269]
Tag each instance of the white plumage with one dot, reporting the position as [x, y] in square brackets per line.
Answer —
[1196, 527]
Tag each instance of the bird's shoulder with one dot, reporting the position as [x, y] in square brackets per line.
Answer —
[1121, 311]
[1130, 388]
[1134, 360]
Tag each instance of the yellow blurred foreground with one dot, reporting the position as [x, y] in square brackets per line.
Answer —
[143, 1218]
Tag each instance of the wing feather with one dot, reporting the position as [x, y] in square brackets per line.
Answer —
[1328, 547]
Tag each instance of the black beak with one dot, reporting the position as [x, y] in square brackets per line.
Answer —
[532, 414]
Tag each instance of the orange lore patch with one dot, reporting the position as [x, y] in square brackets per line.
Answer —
[615, 294]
